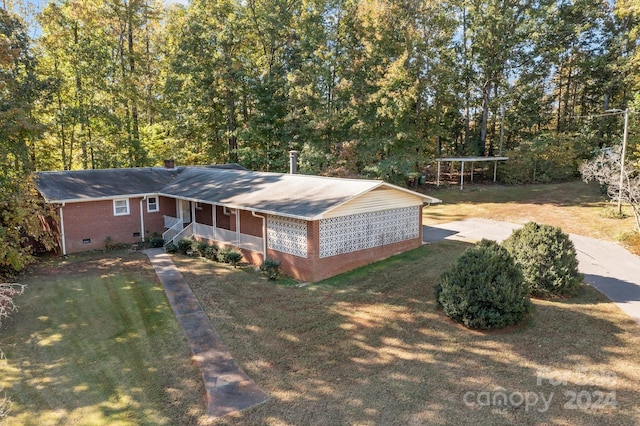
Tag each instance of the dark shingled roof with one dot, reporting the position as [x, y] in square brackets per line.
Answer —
[86, 185]
[299, 196]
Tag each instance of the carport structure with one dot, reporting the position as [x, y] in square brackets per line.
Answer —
[471, 160]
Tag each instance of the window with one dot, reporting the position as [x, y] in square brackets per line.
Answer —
[152, 204]
[121, 207]
[227, 211]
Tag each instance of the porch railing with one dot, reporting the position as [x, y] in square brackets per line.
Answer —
[250, 242]
[170, 221]
[177, 232]
[186, 232]
[174, 229]
[245, 241]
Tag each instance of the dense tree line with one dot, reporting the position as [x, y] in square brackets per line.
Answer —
[360, 87]
[374, 87]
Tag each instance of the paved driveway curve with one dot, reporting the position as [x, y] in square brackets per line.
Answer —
[605, 265]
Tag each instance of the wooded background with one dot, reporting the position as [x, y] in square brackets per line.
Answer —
[372, 88]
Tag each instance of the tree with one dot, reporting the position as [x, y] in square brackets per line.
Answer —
[22, 215]
[605, 169]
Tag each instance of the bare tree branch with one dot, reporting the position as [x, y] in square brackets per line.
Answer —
[7, 292]
[605, 169]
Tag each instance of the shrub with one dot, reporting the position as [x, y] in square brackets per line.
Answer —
[547, 258]
[171, 248]
[484, 289]
[270, 268]
[228, 255]
[222, 254]
[184, 245]
[198, 247]
[211, 252]
[156, 242]
[546, 158]
[233, 257]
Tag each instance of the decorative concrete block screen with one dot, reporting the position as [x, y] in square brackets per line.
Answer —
[346, 234]
[287, 235]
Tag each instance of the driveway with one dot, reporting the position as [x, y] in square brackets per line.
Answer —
[606, 266]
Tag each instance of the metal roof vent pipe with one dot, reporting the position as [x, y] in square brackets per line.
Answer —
[170, 164]
[293, 162]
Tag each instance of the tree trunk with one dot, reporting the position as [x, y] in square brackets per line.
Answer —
[135, 135]
[80, 105]
[486, 94]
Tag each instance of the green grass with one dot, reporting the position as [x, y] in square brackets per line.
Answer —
[371, 347]
[576, 207]
[95, 343]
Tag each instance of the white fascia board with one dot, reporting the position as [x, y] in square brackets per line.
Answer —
[88, 200]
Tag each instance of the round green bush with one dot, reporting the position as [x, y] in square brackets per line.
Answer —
[156, 242]
[270, 268]
[211, 252]
[184, 245]
[547, 258]
[484, 289]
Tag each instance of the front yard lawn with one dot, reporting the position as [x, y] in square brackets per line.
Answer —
[95, 343]
[370, 347]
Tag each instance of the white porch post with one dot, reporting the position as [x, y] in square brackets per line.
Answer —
[214, 215]
[238, 226]
[462, 176]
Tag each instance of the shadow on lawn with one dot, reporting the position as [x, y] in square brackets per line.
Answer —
[376, 350]
[89, 347]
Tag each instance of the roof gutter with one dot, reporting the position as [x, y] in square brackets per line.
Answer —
[64, 238]
[105, 198]
[142, 233]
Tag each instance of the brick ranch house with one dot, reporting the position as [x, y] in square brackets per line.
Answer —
[315, 226]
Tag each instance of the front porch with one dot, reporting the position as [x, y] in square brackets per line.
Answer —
[218, 224]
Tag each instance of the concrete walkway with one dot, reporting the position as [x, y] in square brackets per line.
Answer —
[228, 388]
[606, 266]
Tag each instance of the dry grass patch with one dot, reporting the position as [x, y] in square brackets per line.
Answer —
[370, 347]
[95, 342]
[576, 207]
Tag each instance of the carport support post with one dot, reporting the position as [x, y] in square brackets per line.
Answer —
[438, 178]
[495, 170]
[462, 176]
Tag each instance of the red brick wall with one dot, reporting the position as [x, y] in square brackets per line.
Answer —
[225, 221]
[313, 268]
[95, 221]
[204, 214]
[250, 224]
[168, 206]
